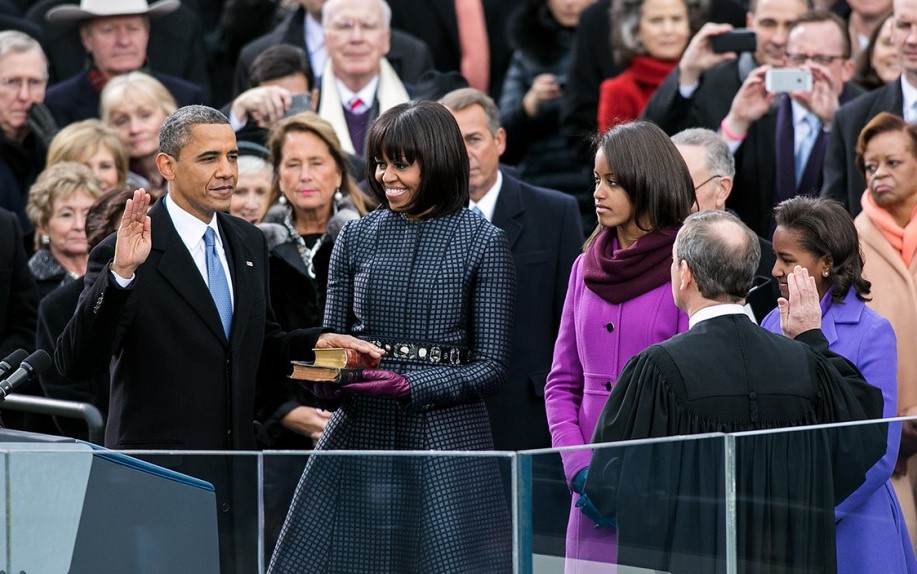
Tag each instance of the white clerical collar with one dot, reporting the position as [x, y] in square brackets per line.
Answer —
[489, 201]
[715, 311]
[367, 94]
[189, 228]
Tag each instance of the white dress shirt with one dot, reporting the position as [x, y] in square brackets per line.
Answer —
[489, 202]
[191, 230]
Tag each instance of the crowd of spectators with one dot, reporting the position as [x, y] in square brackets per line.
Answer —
[565, 108]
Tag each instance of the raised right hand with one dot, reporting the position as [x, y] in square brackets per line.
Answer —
[750, 103]
[134, 238]
[802, 312]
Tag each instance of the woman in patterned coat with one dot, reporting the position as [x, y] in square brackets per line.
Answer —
[619, 301]
[433, 284]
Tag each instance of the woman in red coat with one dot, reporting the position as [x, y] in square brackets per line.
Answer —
[648, 37]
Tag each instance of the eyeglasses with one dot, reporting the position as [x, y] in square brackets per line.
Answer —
[348, 25]
[820, 59]
[706, 181]
[14, 85]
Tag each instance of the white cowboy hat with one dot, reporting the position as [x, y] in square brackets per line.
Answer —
[89, 9]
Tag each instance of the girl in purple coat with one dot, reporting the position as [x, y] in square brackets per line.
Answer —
[619, 302]
[819, 234]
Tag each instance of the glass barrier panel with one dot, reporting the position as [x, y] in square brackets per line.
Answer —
[823, 498]
[659, 503]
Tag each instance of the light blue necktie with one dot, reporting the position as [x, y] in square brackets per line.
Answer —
[216, 280]
[804, 149]
[477, 210]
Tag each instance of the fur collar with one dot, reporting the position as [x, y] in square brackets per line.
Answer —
[537, 35]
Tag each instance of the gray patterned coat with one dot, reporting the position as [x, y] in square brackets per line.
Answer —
[450, 281]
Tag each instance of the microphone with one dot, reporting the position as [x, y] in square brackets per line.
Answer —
[12, 361]
[31, 367]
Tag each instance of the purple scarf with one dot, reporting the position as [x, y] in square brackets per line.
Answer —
[618, 275]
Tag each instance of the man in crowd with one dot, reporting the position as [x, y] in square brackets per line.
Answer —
[780, 139]
[115, 35]
[358, 83]
[303, 28]
[786, 483]
[176, 305]
[699, 92]
[545, 235]
[712, 168]
[843, 181]
[24, 130]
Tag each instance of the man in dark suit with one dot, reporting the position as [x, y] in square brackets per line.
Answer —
[843, 180]
[545, 235]
[786, 483]
[358, 83]
[24, 70]
[699, 92]
[780, 139]
[712, 169]
[116, 37]
[409, 56]
[176, 45]
[176, 305]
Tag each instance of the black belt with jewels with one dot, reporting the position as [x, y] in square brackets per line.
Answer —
[428, 353]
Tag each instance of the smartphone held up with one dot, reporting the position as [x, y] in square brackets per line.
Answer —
[787, 80]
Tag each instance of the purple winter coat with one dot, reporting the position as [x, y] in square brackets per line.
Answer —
[871, 534]
[595, 341]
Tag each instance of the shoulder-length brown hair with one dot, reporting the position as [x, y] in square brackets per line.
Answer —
[312, 123]
[425, 132]
[651, 172]
[826, 229]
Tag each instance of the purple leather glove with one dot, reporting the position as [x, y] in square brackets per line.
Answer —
[380, 383]
[324, 391]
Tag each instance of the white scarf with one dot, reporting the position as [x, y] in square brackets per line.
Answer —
[390, 93]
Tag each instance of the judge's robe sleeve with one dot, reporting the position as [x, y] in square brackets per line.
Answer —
[637, 408]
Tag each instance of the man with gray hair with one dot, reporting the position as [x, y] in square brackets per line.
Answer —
[712, 168]
[176, 306]
[26, 127]
[358, 82]
[786, 483]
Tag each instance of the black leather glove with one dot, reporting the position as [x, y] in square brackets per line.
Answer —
[42, 123]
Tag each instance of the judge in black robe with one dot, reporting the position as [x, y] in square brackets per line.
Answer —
[727, 375]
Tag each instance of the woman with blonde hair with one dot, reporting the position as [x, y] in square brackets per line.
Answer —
[95, 145]
[58, 203]
[135, 105]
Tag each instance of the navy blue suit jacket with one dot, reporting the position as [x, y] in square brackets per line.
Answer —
[545, 234]
[74, 99]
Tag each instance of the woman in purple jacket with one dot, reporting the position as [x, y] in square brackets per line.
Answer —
[819, 234]
[619, 302]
